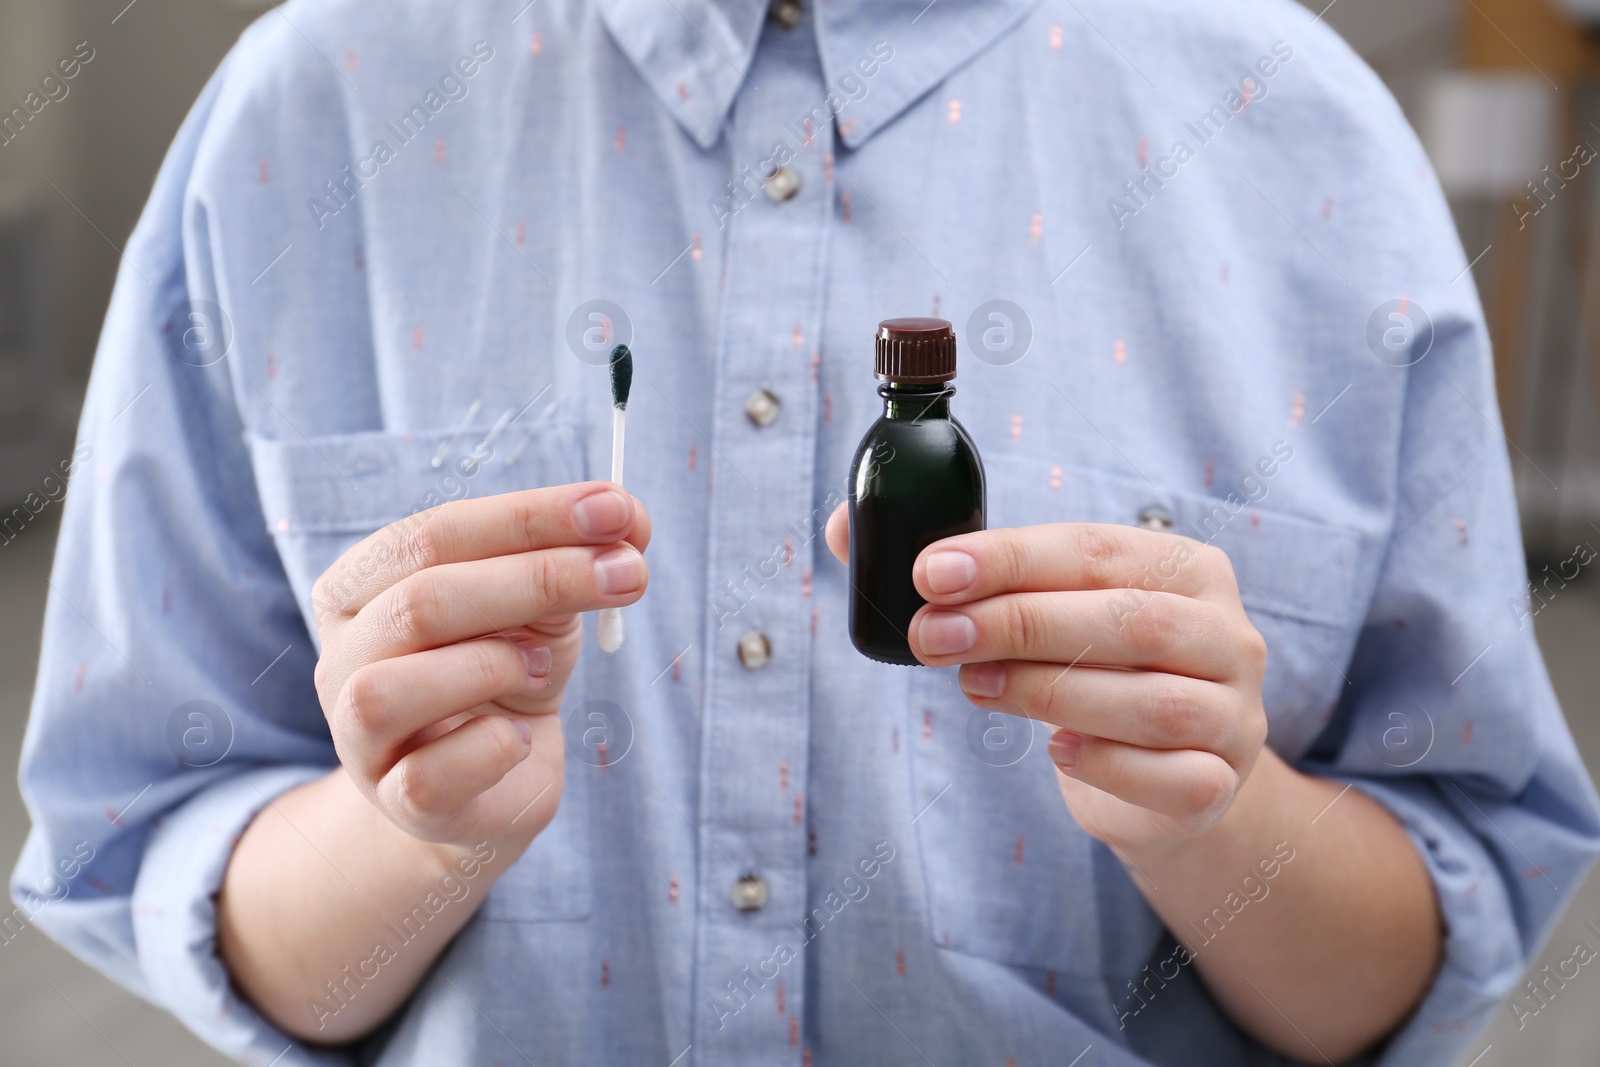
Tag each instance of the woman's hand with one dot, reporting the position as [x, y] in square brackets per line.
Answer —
[1133, 644]
[447, 642]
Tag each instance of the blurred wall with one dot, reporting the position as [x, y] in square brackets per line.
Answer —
[1406, 42]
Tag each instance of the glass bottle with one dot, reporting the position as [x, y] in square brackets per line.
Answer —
[916, 479]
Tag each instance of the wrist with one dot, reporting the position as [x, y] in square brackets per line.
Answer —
[471, 860]
[493, 853]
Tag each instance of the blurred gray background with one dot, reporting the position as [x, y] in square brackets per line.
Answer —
[1499, 89]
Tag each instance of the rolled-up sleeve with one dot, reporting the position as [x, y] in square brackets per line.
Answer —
[1449, 719]
[174, 697]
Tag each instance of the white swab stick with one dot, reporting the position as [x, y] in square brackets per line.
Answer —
[610, 626]
[619, 431]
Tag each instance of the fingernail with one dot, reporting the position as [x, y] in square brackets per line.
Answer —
[951, 572]
[535, 657]
[620, 570]
[602, 514]
[524, 731]
[986, 680]
[1065, 748]
[945, 633]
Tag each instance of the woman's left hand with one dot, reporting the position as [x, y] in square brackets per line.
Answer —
[1133, 644]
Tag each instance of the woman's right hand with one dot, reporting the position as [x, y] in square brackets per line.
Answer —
[447, 642]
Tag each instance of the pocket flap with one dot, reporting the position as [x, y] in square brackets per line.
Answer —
[1294, 567]
[361, 481]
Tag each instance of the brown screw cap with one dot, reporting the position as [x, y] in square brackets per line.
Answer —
[915, 351]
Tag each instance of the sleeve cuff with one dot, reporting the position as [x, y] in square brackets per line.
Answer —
[1482, 946]
[175, 919]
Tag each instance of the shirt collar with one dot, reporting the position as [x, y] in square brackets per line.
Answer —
[695, 54]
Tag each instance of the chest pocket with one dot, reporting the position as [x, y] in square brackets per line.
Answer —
[322, 495]
[1010, 877]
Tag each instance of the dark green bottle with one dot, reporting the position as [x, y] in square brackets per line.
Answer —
[916, 479]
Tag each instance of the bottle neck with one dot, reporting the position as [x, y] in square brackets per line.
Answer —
[912, 402]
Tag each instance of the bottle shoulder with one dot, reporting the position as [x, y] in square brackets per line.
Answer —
[966, 438]
[932, 429]
[927, 447]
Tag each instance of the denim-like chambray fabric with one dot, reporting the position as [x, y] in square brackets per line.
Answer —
[1211, 222]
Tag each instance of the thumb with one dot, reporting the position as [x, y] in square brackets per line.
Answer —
[837, 533]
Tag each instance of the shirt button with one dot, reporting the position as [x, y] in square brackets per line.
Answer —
[783, 184]
[786, 13]
[750, 893]
[755, 651]
[1157, 518]
[762, 407]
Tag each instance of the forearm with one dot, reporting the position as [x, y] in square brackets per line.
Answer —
[329, 915]
[1330, 953]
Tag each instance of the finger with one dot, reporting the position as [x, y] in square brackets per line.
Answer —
[384, 703]
[1144, 708]
[837, 533]
[1191, 788]
[1096, 628]
[450, 603]
[1066, 556]
[437, 780]
[588, 513]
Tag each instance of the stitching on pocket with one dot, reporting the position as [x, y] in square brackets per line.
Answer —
[553, 880]
[1003, 837]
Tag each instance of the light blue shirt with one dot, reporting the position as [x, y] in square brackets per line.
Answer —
[365, 284]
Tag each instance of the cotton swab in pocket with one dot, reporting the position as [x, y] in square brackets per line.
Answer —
[609, 630]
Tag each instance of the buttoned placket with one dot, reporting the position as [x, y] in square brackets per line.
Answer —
[755, 732]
